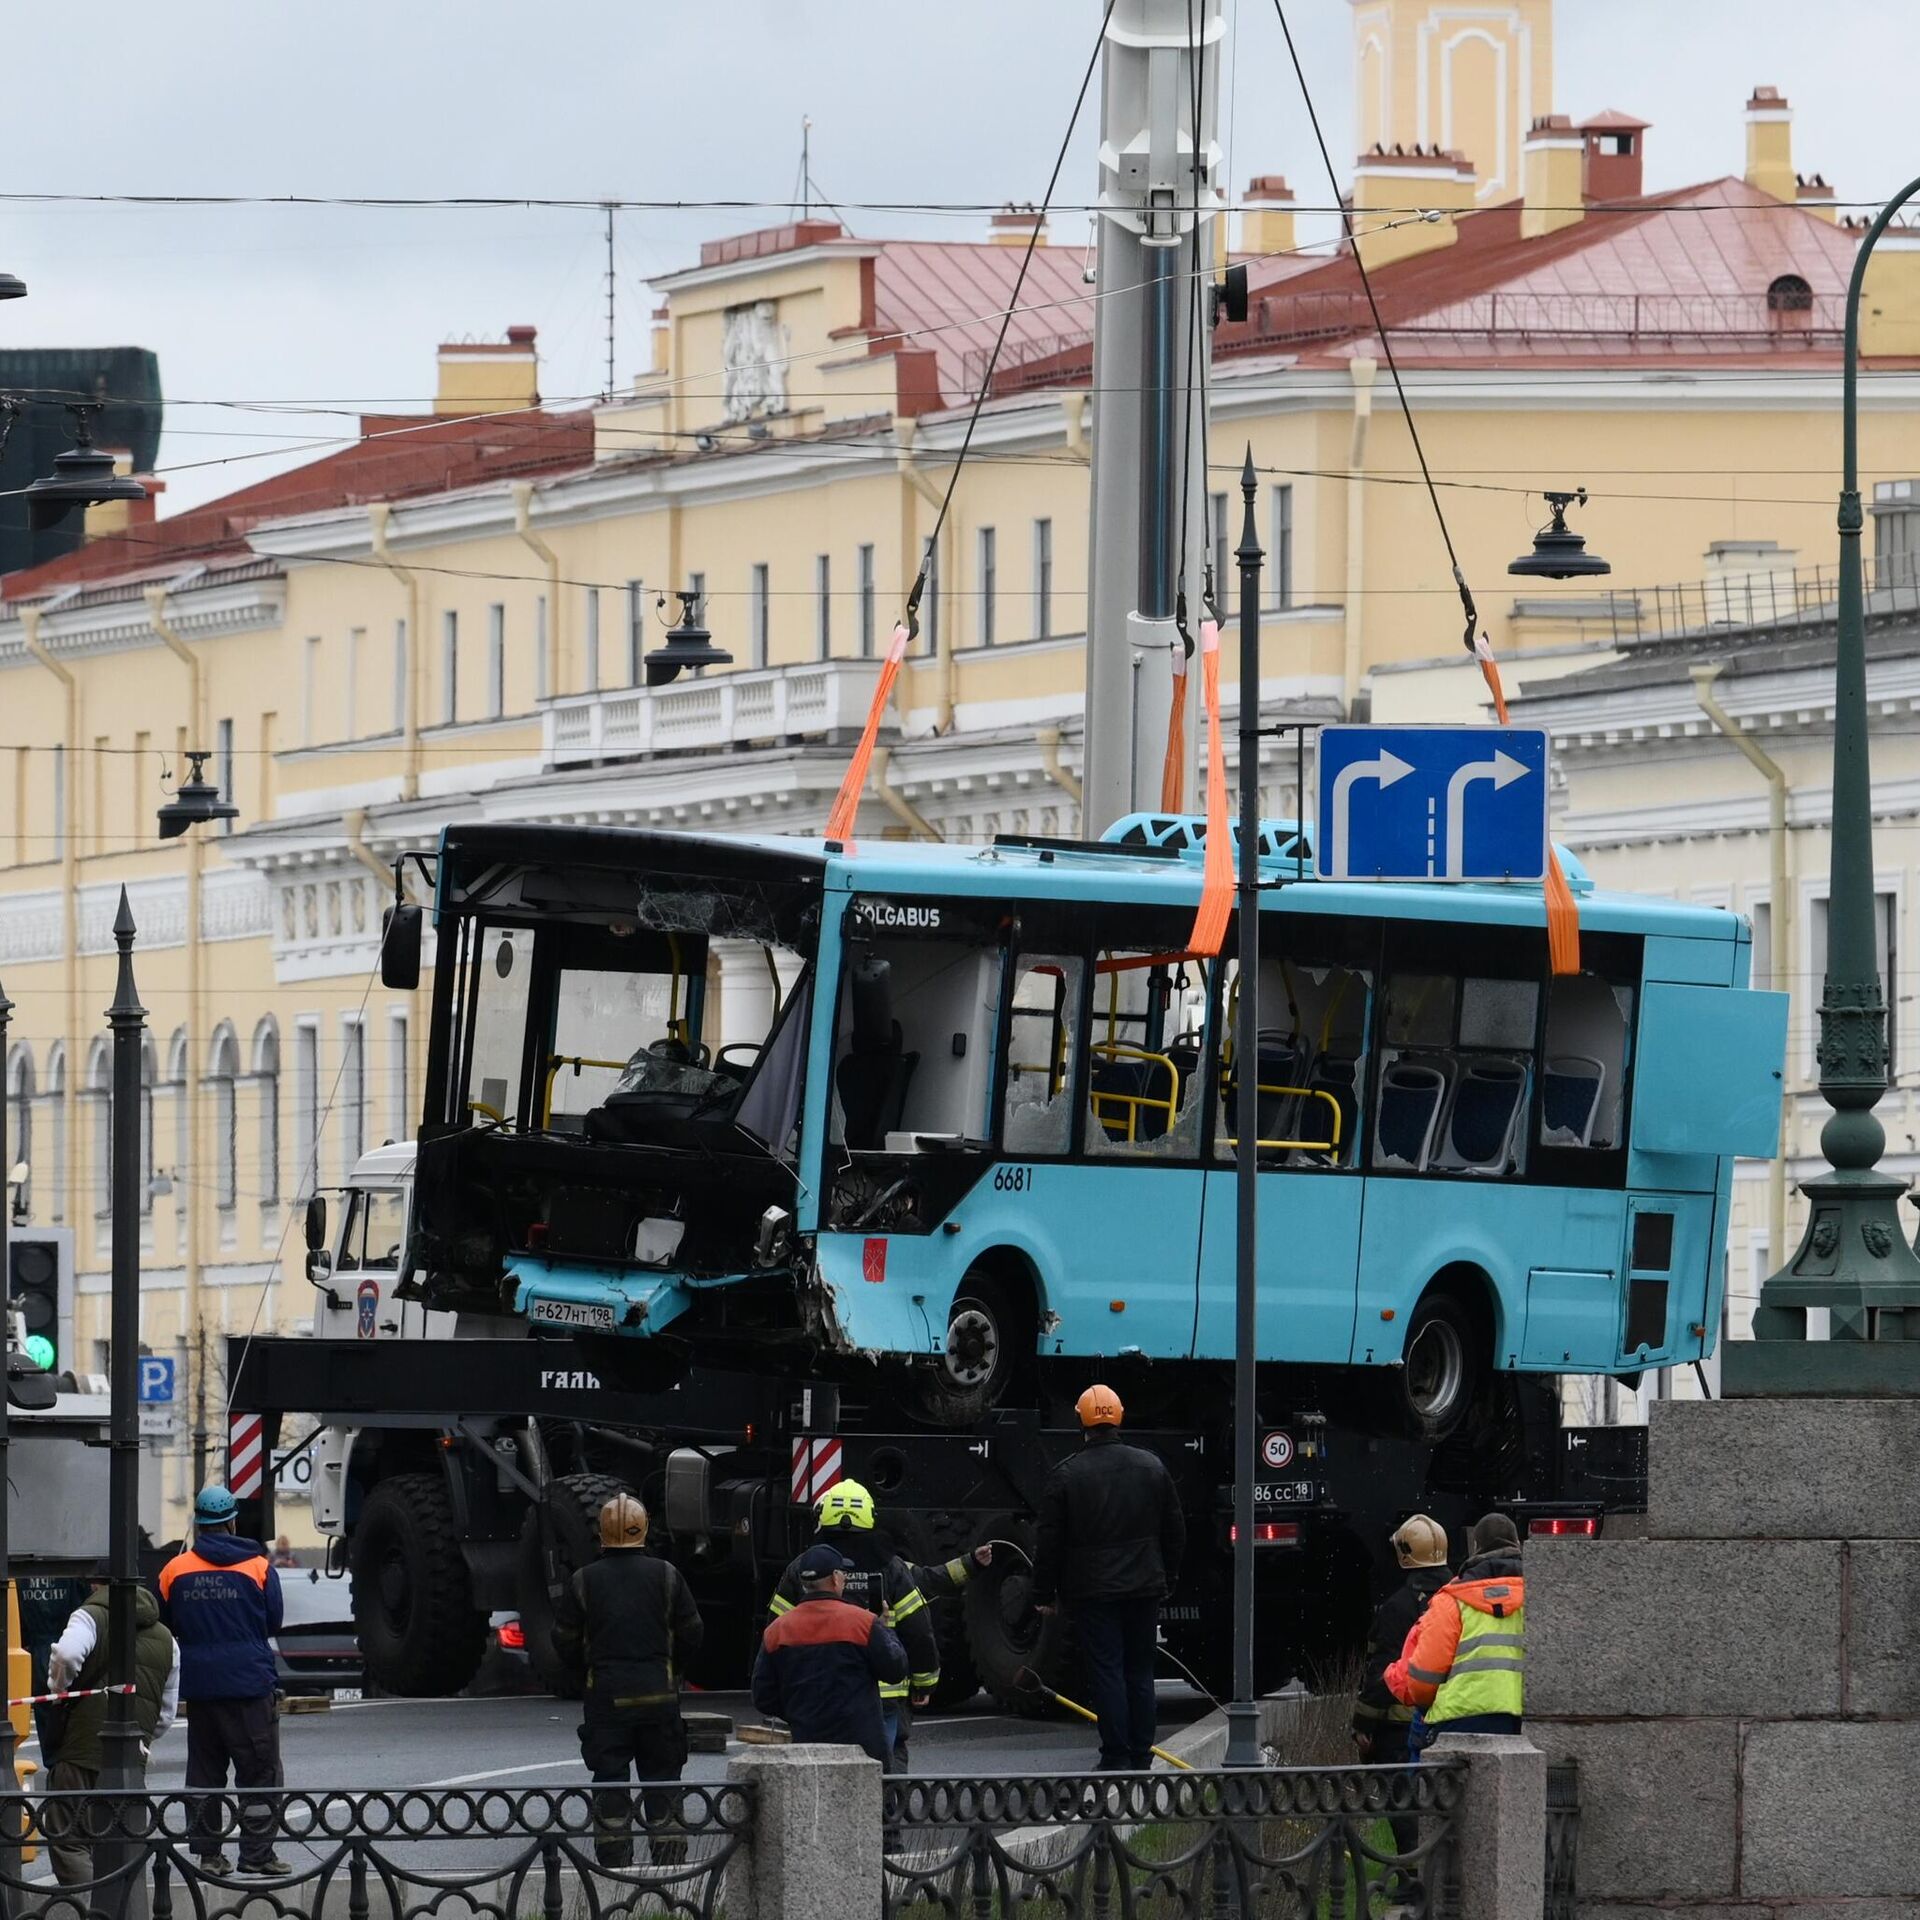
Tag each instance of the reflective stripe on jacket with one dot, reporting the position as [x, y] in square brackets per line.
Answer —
[1466, 1655]
[884, 1585]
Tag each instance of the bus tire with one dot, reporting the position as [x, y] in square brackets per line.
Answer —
[1005, 1635]
[1444, 1365]
[420, 1632]
[983, 1351]
[574, 1501]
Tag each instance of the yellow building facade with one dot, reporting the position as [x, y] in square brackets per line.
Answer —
[449, 620]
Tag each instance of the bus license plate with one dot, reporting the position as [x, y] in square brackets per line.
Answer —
[573, 1313]
[1283, 1493]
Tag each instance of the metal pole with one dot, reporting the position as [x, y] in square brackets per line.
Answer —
[1855, 1258]
[9, 1779]
[1158, 421]
[121, 1762]
[1243, 1715]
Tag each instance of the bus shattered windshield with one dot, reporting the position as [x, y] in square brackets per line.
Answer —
[618, 1021]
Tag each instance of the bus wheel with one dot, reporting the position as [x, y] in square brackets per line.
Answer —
[981, 1354]
[1441, 1373]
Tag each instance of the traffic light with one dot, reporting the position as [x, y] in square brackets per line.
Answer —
[40, 1293]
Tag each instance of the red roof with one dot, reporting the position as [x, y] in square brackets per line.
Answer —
[398, 457]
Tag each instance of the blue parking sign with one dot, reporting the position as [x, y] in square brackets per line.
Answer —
[1432, 803]
[156, 1380]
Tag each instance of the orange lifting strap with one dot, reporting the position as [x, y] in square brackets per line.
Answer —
[1563, 913]
[1216, 882]
[846, 804]
[1173, 775]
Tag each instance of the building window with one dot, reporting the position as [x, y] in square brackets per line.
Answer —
[306, 1102]
[759, 613]
[1280, 556]
[266, 1078]
[1789, 294]
[149, 1079]
[1886, 955]
[1043, 579]
[541, 679]
[353, 1093]
[310, 692]
[20, 1125]
[1761, 914]
[989, 585]
[223, 766]
[356, 645]
[399, 676]
[399, 1110]
[636, 632]
[180, 1093]
[863, 580]
[823, 606]
[450, 667]
[100, 1098]
[496, 660]
[56, 1099]
[1219, 553]
[223, 1073]
[591, 645]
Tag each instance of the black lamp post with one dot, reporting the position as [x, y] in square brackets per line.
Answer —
[82, 477]
[1558, 552]
[1243, 1712]
[196, 802]
[688, 644]
[1854, 1259]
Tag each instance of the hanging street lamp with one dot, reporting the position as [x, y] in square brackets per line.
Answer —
[688, 644]
[83, 476]
[196, 802]
[1854, 1258]
[1558, 552]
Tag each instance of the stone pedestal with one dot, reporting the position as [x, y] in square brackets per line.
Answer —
[814, 1850]
[1741, 1688]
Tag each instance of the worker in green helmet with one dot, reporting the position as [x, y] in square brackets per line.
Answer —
[890, 1589]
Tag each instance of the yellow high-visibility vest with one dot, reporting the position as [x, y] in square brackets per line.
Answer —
[1488, 1666]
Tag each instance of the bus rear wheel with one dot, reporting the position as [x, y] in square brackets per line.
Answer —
[1444, 1365]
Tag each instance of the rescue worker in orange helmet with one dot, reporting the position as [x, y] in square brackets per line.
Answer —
[1110, 1538]
[1464, 1662]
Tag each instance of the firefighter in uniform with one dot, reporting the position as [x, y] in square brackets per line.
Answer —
[1464, 1663]
[629, 1620]
[879, 1580]
[1382, 1725]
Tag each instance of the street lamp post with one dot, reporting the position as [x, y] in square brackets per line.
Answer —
[1854, 1258]
[1243, 1714]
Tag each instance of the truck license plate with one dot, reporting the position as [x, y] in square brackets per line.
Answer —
[1283, 1493]
[573, 1313]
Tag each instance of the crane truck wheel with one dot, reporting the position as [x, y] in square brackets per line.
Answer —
[413, 1609]
[1005, 1635]
[937, 1538]
[574, 1501]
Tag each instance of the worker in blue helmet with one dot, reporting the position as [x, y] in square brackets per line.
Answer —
[221, 1597]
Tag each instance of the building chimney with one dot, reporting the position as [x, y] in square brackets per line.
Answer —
[489, 376]
[1770, 144]
[1554, 165]
[1266, 219]
[1615, 161]
[1405, 202]
[1813, 195]
[118, 516]
[1012, 225]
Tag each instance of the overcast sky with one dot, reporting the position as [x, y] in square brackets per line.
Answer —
[911, 100]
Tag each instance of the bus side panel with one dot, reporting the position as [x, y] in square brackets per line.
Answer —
[816, 1106]
[1415, 1228]
[1691, 963]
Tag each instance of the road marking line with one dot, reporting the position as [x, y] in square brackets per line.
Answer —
[499, 1773]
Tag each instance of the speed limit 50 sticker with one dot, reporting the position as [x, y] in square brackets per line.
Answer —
[1276, 1450]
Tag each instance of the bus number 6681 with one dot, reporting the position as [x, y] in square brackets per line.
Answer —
[1012, 1179]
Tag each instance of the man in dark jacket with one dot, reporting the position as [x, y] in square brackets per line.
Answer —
[879, 1580]
[1110, 1539]
[822, 1663]
[78, 1660]
[221, 1597]
[1382, 1724]
[629, 1619]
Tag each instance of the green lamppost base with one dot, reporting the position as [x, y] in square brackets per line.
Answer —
[1855, 1261]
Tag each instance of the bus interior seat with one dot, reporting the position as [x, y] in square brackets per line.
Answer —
[1571, 1089]
[1412, 1093]
[1124, 1090]
[1338, 1075]
[1484, 1115]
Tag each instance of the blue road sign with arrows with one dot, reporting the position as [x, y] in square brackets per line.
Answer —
[1432, 803]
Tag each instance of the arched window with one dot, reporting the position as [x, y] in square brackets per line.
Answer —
[266, 1075]
[100, 1099]
[1789, 294]
[223, 1070]
[55, 1097]
[20, 1126]
[149, 1075]
[180, 1095]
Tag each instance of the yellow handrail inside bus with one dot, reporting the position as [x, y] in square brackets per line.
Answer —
[555, 1062]
[1311, 1146]
[1135, 1102]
